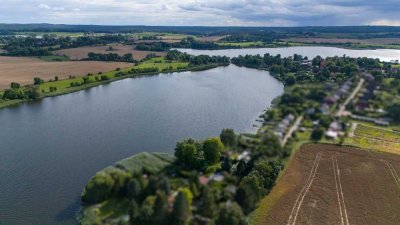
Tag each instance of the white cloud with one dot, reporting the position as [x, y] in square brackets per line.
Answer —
[384, 22]
[47, 7]
[44, 6]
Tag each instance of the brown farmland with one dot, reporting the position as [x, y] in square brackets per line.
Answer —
[326, 184]
[81, 53]
[24, 69]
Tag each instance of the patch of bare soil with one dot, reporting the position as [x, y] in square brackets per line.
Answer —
[82, 52]
[24, 69]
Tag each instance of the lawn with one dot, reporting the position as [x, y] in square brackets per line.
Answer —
[151, 162]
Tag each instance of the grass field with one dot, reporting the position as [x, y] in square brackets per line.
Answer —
[328, 184]
[82, 52]
[375, 138]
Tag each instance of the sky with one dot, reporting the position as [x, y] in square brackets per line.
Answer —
[203, 12]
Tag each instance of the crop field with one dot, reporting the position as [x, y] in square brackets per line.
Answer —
[81, 53]
[328, 184]
[374, 138]
[24, 69]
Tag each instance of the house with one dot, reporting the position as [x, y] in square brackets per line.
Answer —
[331, 134]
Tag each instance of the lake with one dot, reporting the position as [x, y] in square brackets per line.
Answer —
[50, 148]
[309, 51]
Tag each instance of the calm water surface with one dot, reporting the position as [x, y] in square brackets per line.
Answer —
[49, 149]
[309, 51]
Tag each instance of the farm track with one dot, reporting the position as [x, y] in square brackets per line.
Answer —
[304, 191]
[339, 190]
[393, 172]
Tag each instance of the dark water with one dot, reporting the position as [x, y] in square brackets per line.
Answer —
[309, 51]
[49, 149]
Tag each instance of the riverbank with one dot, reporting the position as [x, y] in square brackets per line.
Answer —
[156, 66]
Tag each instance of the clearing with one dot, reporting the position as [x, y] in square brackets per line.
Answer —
[328, 184]
[82, 52]
[24, 69]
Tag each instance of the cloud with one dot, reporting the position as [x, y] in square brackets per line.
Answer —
[47, 7]
[385, 23]
[203, 12]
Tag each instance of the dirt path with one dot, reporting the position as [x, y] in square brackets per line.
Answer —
[292, 129]
[342, 107]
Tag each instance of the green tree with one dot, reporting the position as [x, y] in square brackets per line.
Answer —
[212, 149]
[207, 206]
[133, 189]
[317, 134]
[394, 112]
[228, 137]
[290, 80]
[37, 81]
[15, 85]
[186, 152]
[181, 213]
[160, 209]
[98, 189]
[232, 214]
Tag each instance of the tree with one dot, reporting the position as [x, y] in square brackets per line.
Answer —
[37, 81]
[317, 134]
[207, 206]
[232, 214]
[98, 189]
[394, 112]
[160, 209]
[133, 189]
[181, 213]
[290, 80]
[212, 149]
[228, 137]
[15, 85]
[186, 152]
[249, 193]
[134, 211]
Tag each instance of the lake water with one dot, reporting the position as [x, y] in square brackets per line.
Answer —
[50, 148]
[309, 51]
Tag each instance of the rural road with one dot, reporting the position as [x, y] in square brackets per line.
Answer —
[342, 107]
[292, 129]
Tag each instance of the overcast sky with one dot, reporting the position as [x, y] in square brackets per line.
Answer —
[203, 12]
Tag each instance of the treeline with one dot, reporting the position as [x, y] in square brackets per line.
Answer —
[227, 193]
[111, 57]
[33, 46]
[29, 92]
[176, 55]
[156, 46]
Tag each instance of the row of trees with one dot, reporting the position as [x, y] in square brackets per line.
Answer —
[27, 92]
[176, 55]
[111, 57]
